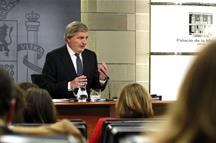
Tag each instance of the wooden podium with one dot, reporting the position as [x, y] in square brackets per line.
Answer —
[90, 112]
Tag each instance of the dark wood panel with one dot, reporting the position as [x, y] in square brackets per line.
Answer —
[90, 112]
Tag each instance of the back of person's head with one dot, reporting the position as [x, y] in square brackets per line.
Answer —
[193, 116]
[27, 85]
[40, 108]
[134, 102]
[74, 27]
[7, 92]
[20, 97]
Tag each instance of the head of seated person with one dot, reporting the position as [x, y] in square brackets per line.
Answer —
[192, 117]
[20, 106]
[134, 102]
[40, 107]
[62, 127]
[7, 100]
[27, 85]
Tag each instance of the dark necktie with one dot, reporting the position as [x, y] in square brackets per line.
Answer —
[79, 65]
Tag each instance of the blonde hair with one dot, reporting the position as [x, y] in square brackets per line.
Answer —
[135, 102]
[192, 117]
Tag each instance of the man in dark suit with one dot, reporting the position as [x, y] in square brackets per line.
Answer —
[61, 71]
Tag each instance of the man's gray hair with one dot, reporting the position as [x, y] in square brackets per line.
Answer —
[74, 27]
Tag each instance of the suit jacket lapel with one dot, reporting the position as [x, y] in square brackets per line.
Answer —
[85, 62]
[68, 62]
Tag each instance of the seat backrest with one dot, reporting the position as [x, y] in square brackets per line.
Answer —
[118, 121]
[128, 126]
[37, 79]
[117, 132]
[81, 125]
[28, 124]
[104, 125]
[37, 139]
[138, 138]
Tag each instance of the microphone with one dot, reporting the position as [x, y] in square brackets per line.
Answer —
[106, 76]
[109, 92]
[108, 84]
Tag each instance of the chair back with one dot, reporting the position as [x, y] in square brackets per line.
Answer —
[37, 139]
[117, 132]
[37, 79]
[113, 120]
[81, 125]
[115, 129]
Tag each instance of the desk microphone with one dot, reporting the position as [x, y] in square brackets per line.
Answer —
[106, 76]
[109, 92]
[108, 85]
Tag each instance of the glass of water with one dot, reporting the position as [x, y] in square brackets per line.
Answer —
[95, 95]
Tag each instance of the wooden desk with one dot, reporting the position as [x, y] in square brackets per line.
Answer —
[160, 107]
[90, 112]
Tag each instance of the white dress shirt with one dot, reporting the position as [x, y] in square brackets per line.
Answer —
[73, 58]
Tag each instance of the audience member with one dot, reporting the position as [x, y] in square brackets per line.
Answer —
[7, 110]
[27, 85]
[20, 106]
[134, 102]
[41, 108]
[63, 127]
[7, 101]
[193, 116]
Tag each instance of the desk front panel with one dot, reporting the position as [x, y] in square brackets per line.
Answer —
[90, 112]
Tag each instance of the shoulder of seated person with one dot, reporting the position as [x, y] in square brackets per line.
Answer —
[64, 121]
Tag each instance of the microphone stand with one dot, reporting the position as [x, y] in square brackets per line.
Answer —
[108, 85]
[109, 92]
[88, 97]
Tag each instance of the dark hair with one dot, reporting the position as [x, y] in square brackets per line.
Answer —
[27, 85]
[7, 91]
[20, 105]
[40, 107]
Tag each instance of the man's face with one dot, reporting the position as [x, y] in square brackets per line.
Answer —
[78, 42]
